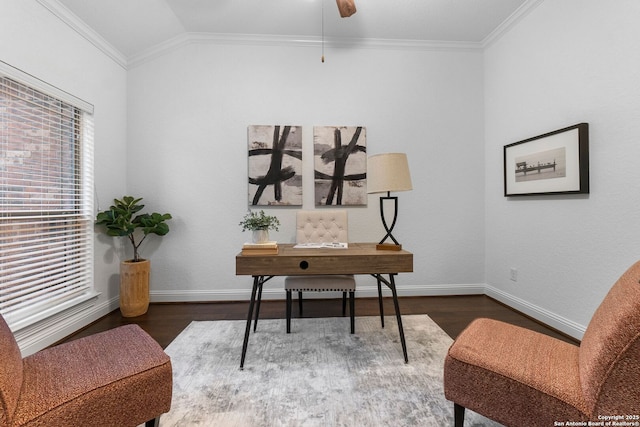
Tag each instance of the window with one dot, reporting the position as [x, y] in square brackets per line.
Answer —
[46, 202]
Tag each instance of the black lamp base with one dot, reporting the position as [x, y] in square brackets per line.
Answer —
[395, 246]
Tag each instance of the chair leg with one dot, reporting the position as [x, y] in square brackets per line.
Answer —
[458, 415]
[300, 302]
[352, 311]
[288, 311]
[344, 303]
[153, 423]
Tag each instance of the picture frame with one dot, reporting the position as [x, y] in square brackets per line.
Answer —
[274, 156]
[340, 165]
[553, 163]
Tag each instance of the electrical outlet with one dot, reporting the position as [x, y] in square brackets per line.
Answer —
[513, 274]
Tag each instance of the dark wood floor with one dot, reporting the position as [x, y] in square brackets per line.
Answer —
[452, 313]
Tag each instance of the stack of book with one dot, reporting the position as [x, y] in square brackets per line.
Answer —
[266, 248]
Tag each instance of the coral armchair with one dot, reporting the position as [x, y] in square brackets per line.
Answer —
[118, 378]
[522, 378]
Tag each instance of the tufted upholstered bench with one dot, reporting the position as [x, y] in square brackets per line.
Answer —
[118, 378]
[321, 226]
[520, 377]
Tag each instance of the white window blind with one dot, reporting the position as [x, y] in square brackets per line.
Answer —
[46, 202]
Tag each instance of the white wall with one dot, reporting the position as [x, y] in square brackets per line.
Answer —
[188, 114]
[175, 134]
[35, 41]
[567, 62]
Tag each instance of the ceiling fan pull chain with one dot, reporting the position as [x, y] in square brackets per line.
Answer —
[322, 31]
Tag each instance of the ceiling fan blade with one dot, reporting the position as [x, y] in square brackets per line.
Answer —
[346, 7]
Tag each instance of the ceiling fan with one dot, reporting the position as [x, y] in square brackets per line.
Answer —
[346, 7]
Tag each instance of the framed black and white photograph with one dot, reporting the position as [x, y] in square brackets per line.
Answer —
[554, 163]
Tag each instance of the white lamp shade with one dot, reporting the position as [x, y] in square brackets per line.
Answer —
[388, 172]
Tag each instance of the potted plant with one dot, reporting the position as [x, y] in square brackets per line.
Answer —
[123, 219]
[260, 223]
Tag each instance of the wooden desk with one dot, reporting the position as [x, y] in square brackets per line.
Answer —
[359, 258]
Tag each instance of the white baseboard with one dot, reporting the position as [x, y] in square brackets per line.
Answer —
[274, 293]
[55, 328]
[553, 320]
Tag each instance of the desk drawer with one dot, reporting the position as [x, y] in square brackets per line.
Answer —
[270, 265]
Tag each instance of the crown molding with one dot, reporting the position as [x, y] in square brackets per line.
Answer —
[295, 41]
[79, 26]
[519, 14]
[88, 33]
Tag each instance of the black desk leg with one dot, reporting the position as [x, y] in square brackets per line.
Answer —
[392, 286]
[257, 280]
[255, 322]
[380, 300]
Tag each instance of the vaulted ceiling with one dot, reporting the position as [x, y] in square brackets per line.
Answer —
[135, 26]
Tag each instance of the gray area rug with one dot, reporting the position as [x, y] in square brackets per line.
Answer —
[319, 375]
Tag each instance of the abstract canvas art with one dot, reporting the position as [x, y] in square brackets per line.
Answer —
[275, 165]
[340, 165]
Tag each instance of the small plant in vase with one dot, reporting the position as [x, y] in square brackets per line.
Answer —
[260, 224]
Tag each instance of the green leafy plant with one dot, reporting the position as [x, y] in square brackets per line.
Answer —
[259, 221]
[119, 221]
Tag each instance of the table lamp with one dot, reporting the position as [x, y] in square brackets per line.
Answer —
[386, 173]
